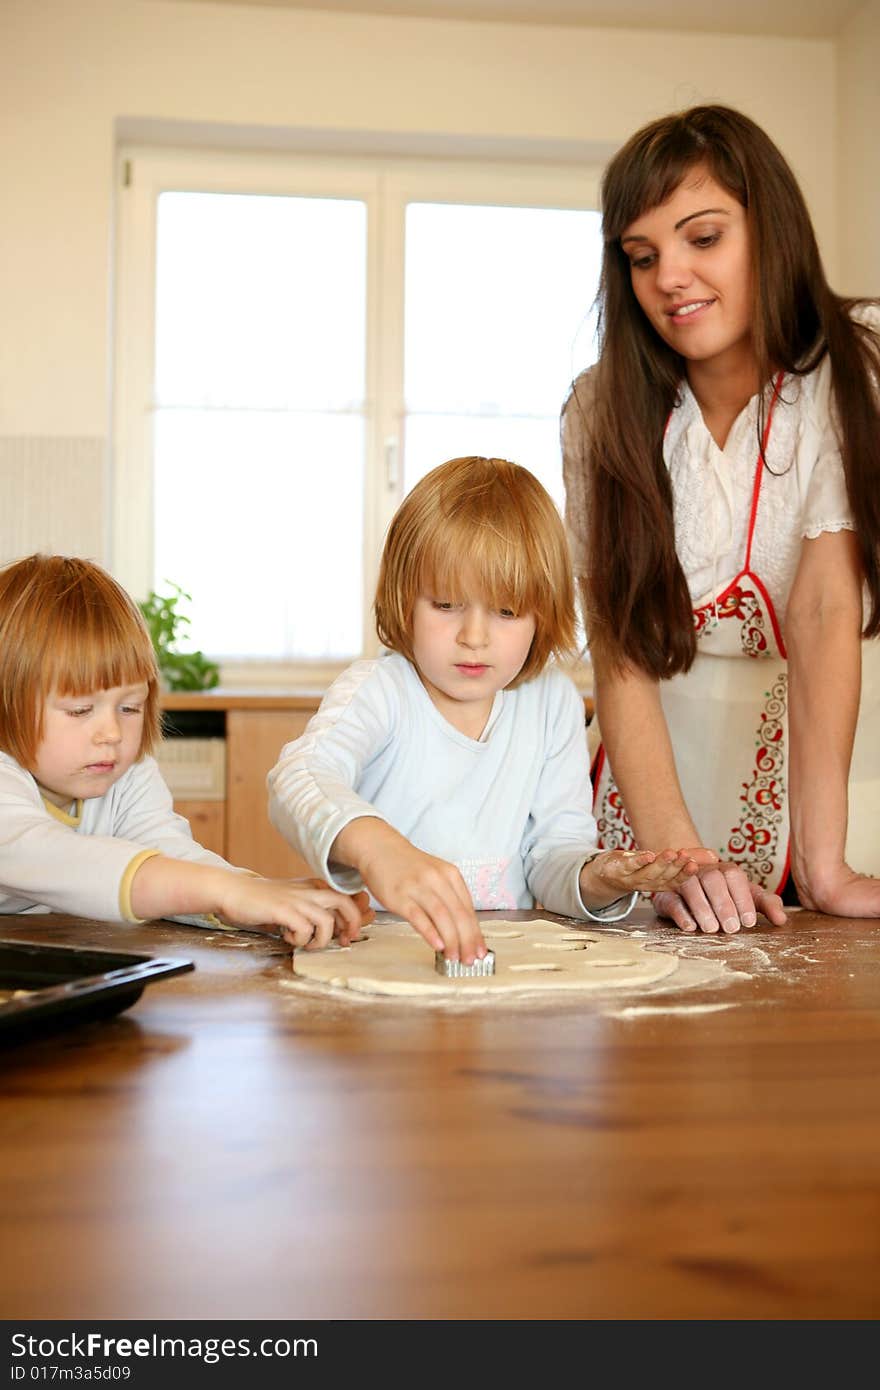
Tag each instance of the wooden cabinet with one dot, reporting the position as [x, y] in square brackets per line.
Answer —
[208, 821]
[254, 739]
[255, 727]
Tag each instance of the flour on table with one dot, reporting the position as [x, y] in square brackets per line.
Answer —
[529, 957]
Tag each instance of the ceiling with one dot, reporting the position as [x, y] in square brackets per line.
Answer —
[814, 19]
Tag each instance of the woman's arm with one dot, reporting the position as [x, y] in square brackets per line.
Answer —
[637, 743]
[563, 869]
[823, 637]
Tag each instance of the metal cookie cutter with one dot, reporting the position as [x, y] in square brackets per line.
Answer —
[455, 970]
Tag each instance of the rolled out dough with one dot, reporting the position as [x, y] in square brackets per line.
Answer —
[529, 956]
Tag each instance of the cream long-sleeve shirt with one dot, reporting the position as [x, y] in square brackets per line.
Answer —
[511, 810]
[83, 862]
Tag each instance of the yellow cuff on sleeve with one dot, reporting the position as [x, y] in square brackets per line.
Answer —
[125, 908]
[214, 921]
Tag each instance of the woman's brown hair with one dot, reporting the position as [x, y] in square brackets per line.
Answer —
[636, 603]
[490, 524]
[67, 626]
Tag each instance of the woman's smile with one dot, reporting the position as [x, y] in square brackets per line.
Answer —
[683, 313]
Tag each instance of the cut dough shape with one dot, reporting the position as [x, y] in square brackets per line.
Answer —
[529, 956]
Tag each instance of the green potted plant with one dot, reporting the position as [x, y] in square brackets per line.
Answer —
[179, 670]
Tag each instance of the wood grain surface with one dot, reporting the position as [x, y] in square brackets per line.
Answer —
[253, 745]
[234, 1146]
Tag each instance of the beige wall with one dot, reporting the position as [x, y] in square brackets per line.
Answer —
[858, 149]
[71, 69]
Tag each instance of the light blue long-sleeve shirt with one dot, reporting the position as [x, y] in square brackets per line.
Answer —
[511, 810]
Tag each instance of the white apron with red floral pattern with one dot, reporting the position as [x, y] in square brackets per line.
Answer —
[727, 722]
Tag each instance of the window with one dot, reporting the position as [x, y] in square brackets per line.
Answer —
[298, 342]
[258, 422]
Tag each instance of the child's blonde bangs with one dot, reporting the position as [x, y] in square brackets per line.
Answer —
[472, 558]
[485, 530]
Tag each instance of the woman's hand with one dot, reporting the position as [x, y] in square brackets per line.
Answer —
[718, 896]
[842, 893]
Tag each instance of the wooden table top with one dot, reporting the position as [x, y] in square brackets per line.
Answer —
[234, 1147]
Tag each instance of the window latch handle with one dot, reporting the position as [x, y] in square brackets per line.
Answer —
[392, 462]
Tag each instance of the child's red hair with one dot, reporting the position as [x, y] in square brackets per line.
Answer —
[67, 627]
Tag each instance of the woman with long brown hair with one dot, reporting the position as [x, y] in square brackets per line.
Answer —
[722, 465]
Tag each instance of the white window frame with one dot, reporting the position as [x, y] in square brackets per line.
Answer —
[386, 185]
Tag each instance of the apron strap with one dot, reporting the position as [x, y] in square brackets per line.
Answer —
[759, 470]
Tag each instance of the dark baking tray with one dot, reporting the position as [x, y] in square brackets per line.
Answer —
[72, 984]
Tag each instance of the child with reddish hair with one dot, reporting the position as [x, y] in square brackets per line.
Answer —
[86, 821]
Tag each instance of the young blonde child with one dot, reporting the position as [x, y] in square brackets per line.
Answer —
[451, 773]
[86, 821]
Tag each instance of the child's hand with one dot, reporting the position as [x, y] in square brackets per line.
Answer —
[430, 894]
[616, 872]
[307, 912]
[345, 932]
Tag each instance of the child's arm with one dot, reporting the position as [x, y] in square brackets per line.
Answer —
[617, 873]
[427, 892]
[307, 915]
[45, 861]
[314, 803]
[313, 786]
